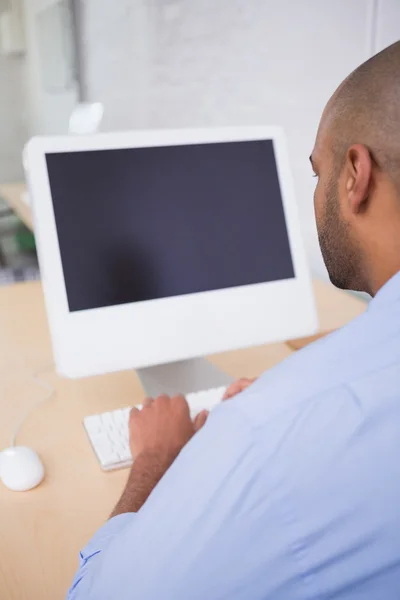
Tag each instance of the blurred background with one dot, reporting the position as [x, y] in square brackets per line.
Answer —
[169, 64]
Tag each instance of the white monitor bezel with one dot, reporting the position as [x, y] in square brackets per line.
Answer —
[166, 330]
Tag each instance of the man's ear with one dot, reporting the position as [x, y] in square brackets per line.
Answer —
[358, 172]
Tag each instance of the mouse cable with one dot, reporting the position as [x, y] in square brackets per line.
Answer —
[51, 392]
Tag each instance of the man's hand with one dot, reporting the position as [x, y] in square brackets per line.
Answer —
[157, 434]
[163, 426]
[238, 387]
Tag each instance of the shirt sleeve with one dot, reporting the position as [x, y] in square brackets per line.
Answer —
[91, 554]
[212, 527]
[173, 547]
[123, 553]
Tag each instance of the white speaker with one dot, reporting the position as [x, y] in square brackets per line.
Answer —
[86, 118]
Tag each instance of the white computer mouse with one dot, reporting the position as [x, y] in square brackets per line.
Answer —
[20, 468]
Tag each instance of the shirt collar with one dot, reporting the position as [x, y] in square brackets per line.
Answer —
[388, 293]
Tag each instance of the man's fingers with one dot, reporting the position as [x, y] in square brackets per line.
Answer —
[230, 391]
[180, 400]
[134, 412]
[148, 402]
[163, 398]
[233, 389]
[237, 387]
[200, 419]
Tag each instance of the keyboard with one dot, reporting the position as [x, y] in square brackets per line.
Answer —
[109, 433]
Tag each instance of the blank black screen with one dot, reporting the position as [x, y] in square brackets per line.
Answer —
[145, 223]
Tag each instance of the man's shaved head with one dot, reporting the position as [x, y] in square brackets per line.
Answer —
[365, 109]
[357, 159]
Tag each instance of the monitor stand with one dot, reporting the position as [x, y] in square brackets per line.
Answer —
[182, 377]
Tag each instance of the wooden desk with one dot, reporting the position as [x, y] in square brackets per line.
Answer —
[43, 530]
[12, 194]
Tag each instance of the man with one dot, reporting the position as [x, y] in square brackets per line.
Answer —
[291, 489]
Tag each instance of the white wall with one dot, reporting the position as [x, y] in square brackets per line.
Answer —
[181, 63]
[48, 112]
[26, 108]
[13, 117]
[388, 23]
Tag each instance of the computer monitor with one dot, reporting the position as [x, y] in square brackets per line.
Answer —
[162, 246]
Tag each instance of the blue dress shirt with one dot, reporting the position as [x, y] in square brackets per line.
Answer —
[291, 491]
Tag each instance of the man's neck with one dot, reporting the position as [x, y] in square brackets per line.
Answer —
[381, 251]
[383, 271]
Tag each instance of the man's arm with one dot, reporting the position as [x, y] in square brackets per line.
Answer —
[157, 434]
[146, 472]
